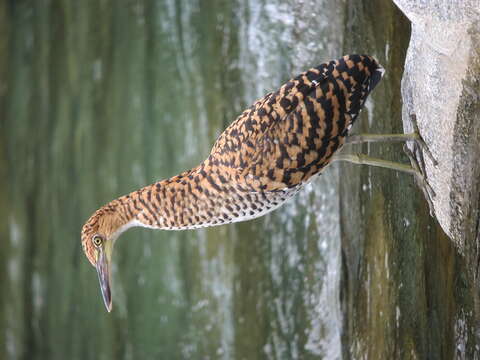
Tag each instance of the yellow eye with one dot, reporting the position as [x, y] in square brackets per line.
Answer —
[97, 240]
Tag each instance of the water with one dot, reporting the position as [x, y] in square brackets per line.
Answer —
[98, 99]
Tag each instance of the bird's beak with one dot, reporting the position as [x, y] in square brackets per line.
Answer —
[103, 270]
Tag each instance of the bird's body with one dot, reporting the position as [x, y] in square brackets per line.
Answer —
[262, 159]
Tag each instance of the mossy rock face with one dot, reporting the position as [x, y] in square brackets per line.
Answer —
[441, 86]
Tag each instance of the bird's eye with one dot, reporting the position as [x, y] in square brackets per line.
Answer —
[97, 240]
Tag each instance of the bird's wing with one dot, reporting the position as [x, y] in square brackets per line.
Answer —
[266, 138]
[290, 135]
[245, 129]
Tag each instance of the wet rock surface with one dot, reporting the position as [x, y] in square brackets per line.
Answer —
[441, 85]
[409, 291]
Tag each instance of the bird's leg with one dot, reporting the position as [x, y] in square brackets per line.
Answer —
[361, 138]
[362, 159]
[414, 136]
[414, 169]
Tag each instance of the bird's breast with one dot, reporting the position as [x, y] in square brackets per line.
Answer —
[242, 206]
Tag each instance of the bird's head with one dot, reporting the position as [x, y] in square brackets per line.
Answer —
[98, 236]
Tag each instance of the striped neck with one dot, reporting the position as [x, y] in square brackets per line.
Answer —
[192, 200]
[181, 202]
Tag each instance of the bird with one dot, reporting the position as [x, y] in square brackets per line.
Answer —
[273, 148]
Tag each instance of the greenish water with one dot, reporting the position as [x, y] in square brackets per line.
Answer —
[98, 98]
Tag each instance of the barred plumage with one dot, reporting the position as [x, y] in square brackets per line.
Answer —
[263, 158]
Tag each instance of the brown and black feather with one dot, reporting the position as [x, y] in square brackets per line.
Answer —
[262, 159]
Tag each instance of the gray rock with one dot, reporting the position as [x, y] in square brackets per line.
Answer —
[441, 85]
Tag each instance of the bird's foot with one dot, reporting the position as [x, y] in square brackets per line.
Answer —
[420, 178]
[421, 143]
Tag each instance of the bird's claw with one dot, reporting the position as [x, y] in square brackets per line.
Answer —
[419, 140]
[421, 179]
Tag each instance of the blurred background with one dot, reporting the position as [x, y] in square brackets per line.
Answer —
[99, 98]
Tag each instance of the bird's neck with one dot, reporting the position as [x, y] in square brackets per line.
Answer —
[203, 196]
[182, 202]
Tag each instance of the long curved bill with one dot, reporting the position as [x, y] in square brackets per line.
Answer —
[103, 272]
